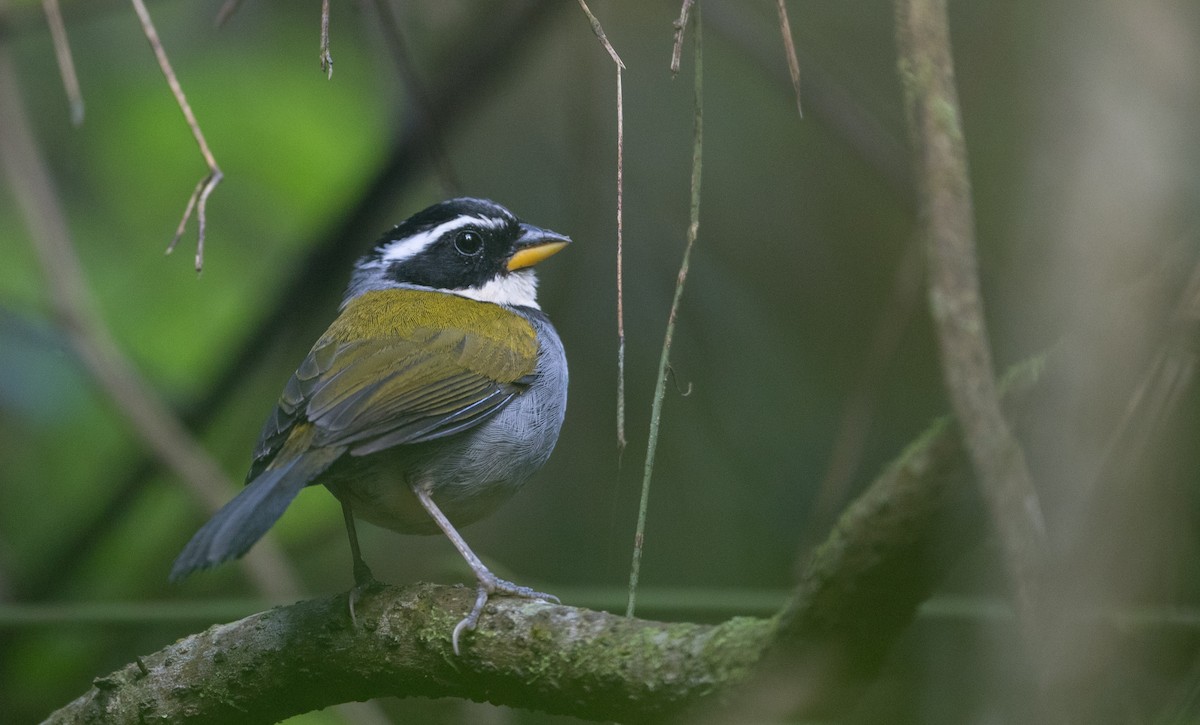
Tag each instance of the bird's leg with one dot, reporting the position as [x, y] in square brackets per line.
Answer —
[489, 583]
[363, 579]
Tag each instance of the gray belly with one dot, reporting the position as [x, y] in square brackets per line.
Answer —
[469, 474]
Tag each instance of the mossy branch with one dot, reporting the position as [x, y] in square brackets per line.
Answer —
[856, 594]
[307, 656]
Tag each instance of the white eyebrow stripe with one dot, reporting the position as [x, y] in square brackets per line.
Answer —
[491, 222]
[406, 248]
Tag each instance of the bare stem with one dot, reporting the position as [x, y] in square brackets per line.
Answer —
[664, 361]
[66, 64]
[621, 440]
[199, 198]
[680, 29]
[326, 58]
[228, 8]
[789, 47]
[599, 31]
[948, 228]
[612, 53]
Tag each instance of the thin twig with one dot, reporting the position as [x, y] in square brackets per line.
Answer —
[145, 411]
[199, 197]
[66, 64]
[621, 440]
[680, 29]
[228, 8]
[326, 58]
[948, 228]
[789, 47]
[660, 384]
[599, 31]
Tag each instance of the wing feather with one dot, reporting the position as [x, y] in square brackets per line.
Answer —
[413, 380]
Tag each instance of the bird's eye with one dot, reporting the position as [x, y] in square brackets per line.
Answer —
[468, 242]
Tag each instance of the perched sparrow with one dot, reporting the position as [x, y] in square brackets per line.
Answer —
[438, 390]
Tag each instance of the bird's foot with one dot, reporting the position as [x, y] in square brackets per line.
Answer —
[489, 585]
[363, 581]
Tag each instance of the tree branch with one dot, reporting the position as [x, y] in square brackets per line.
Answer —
[307, 656]
[947, 224]
[857, 594]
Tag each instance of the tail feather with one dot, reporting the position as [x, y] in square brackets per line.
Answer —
[241, 522]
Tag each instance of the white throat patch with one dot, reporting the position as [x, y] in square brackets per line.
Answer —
[515, 289]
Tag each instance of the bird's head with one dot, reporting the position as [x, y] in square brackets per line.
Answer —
[470, 247]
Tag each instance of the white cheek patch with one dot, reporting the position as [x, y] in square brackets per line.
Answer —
[409, 247]
[517, 289]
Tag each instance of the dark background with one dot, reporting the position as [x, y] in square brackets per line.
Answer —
[803, 340]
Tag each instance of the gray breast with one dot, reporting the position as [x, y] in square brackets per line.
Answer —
[471, 473]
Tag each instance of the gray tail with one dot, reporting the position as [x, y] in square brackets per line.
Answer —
[241, 522]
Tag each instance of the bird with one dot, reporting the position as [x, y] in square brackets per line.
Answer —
[436, 392]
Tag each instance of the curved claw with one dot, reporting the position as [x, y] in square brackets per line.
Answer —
[468, 622]
[361, 584]
[493, 585]
[352, 597]
[489, 583]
